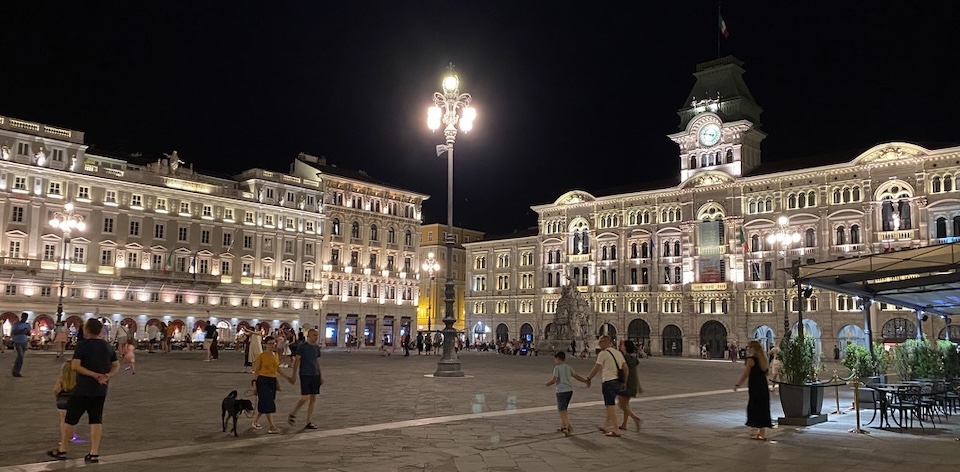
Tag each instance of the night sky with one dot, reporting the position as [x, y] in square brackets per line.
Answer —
[569, 94]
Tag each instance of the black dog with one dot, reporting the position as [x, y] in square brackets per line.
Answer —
[231, 408]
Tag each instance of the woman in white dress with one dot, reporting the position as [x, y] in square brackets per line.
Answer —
[255, 338]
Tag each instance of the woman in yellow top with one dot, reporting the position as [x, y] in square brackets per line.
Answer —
[265, 369]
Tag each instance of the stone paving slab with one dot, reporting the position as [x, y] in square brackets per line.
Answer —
[383, 413]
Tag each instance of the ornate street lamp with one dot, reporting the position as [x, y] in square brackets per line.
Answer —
[784, 237]
[452, 109]
[66, 221]
[430, 265]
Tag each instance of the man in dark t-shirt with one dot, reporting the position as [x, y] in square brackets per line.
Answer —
[210, 341]
[306, 363]
[95, 362]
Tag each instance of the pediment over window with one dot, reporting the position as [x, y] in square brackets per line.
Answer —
[109, 243]
[891, 152]
[16, 233]
[573, 197]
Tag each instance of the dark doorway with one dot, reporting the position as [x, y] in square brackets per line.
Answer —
[608, 330]
[638, 331]
[714, 335]
[672, 341]
[526, 333]
[503, 333]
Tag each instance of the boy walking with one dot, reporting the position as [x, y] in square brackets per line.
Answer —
[306, 363]
[563, 376]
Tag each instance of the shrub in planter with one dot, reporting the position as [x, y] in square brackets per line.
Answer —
[951, 359]
[799, 363]
[917, 359]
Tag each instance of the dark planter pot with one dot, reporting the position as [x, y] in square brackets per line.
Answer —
[795, 400]
[816, 399]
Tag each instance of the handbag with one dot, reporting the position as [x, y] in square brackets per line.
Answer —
[63, 399]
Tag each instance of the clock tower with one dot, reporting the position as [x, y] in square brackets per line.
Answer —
[719, 122]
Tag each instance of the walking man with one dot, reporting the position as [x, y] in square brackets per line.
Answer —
[306, 363]
[209, 339]
[95, 362]
[612, 367]
[20, 335]
[405, 339]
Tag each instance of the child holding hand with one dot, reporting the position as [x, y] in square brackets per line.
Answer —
[563, 376]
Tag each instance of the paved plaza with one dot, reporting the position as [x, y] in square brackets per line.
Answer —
[383, 414]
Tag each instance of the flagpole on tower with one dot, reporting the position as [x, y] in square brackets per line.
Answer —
[719, 22]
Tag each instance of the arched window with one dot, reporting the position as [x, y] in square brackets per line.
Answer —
[729, 156]
[633, 251]
[941, 231]
[335, 226]
[856, 194]
[676, 272]
[693, 162]
[947, 183]
[408, 238]
[391, 235]
[812, 198]
[935, 184]
[703, 160]
[855, 234]
[802, 200]
[753, 206]
[374, 233]
[836, 196]
[557, 256]
[549, 257]
[355, 230]
[755, 243]
[678, 218]
[841, 236]
[603, 277]
[644, 251]
[769, 205]
[549, 279]
[666, 249]
[846, 195]
[613, 252]
[792, 201]
[676, 248]
[956, 226]
[603, 253]
[810, 238]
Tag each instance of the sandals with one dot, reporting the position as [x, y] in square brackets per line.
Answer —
[91, 458]
[309, 426]
[611, 434]
[57, 454]
[273, 431]
[256, 426]
[758, 437]
[292, 419]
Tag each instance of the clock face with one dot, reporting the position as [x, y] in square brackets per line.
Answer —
[709, 134]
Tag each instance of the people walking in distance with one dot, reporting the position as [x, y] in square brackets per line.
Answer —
[266, 367]
[129, 355]
[209, 336]
[758, 404]
[95, 362]
[20, 335]
[704, 352]
[60, 340]
[563, 376]
[63, 389]
[152, 333]
[428, 344]
[306, 365]
[633, 385]
[612, 368]
[836, 353]
[383, 345]
[419, 342]
[586, 350]
[573, 347]
[405, 339]
[437, 343]
[168, 336]
[732, 352]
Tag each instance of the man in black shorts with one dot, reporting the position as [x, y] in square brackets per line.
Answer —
[95, 362]
[306, 363]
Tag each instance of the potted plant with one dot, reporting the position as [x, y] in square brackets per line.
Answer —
[799, 394]
[869, 368]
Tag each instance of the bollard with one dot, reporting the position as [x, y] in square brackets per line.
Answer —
[856, 403]
[836, 391]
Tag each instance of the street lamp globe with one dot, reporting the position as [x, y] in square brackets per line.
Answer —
[451, 83]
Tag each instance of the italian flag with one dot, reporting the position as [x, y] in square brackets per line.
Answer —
[723, 28]
[743, 241]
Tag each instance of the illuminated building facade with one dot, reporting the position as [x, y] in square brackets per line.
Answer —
[681, 264]
[320, 245]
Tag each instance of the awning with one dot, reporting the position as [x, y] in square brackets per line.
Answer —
[924, 279]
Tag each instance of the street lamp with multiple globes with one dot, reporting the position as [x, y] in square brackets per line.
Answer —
[431, 265]
[66, 221]
[452, 109]
[784, 237]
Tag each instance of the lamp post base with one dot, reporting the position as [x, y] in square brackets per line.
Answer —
[448, 368]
